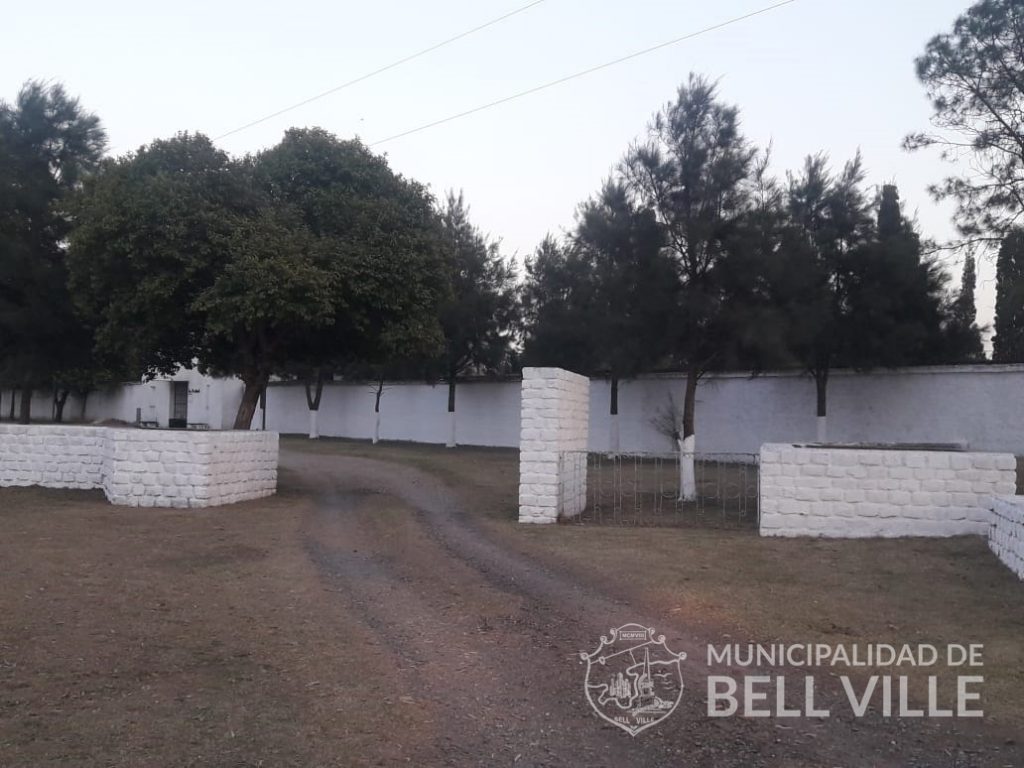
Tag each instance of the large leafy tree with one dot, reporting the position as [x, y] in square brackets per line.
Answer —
[183, 254]
[479, 317]
[48, 145]
[1008, 343]
[972, 76]
[697, 174]
[390, 270]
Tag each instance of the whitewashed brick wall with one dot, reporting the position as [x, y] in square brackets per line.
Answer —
[141, 467]
[1006, 533]
[855, 493]
[554, 425]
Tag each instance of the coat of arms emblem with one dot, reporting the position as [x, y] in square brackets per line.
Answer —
[633, 680]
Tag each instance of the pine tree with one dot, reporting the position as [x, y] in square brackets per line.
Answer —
[1008, 343]
[963, 337]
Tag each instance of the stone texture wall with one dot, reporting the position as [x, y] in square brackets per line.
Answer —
[553, 445]
[1006, 533]
[844, 492]
[141, 467]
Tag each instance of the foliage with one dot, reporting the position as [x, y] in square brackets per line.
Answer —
[380, 226]
[48, 145]
[896, 297]
[556, 309]
[633, 285]
[696, 173]
[480, 316]
[963, 337]
[252, 267]
[1008, 343]
[972, 76]
[610, 287]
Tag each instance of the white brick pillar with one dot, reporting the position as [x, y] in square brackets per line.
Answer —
[553, 445]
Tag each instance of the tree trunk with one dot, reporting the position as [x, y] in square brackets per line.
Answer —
[85, 399]
[451, 412]
[313, 395]
[254, 384]
[59, 401]
[613, 417]
[376, 411]
[25, 413]
[688, 442]
[263, 409]
[14, 396]
[821, 385]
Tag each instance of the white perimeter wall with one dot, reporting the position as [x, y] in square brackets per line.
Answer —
[979, 406]
[487, 413]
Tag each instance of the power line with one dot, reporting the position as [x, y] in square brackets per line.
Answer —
[385, 68]
[582, 73]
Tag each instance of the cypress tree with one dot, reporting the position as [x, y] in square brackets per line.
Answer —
[963, 335]
[1008, 344]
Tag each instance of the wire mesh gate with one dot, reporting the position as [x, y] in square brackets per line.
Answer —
[644, 489]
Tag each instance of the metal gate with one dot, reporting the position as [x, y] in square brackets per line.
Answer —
[643, 489]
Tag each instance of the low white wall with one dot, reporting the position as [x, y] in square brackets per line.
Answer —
[142, 467]
[854, 493]
[553, 445]
[1006, 534]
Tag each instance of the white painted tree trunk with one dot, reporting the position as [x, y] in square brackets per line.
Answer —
[451, 429]
[688, 468]
[613, 435]
[314, 429]
[376, 429]
[822, 429]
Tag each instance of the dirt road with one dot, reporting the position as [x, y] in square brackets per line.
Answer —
[486, 641]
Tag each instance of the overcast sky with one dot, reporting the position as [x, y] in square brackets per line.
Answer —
[815, 75]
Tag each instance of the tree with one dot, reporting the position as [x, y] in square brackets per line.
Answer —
[555, 308]
[828, 219]
[478, 320]
[48, 145]
[183, 254]
[696, 174]
[972, 76]
[381, 226]
[895, 295]
[962, 332]
[624, 296]
[1008, 343]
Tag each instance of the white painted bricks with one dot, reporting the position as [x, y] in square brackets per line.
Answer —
[858, 493]
[1006, 533]
[554, 427]
[141, 467]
